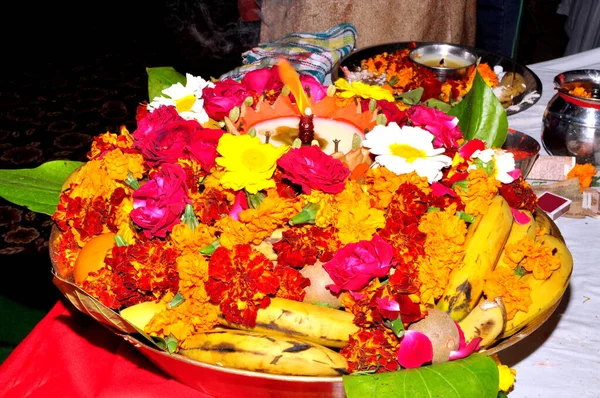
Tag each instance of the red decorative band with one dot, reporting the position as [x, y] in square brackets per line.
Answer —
[577, 102]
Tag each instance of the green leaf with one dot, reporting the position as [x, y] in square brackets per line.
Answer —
[481, 115]
[411, 97]
[39, 188]
[473, 377]
[160, 78]
[437, 104]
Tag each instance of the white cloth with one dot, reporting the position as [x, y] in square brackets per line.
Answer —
[562, 358]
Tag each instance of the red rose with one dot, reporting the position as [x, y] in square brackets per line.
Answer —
[389, 109]
[159, 204]
[223, 97]
[311, 168]
[164, 136]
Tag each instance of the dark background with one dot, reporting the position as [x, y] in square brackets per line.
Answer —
[73, 70]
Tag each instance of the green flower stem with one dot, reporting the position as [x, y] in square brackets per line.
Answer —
[189, 218]
[210, 249]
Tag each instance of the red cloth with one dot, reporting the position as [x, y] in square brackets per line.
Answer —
[68, 354]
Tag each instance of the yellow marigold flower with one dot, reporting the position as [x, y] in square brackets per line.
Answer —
[506, 378]
[362, 90]
[119, 165]
[123, 221]
[480, 192]
[444, 251]
[503, 282]
[585, 173]
[328, 211]
[249, 164]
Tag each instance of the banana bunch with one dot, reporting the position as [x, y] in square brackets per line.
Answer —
[321, 325]
[488, 318]
[266, 352]
[313, 323]
[485, 241]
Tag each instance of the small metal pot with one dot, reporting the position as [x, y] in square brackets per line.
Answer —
[571, 124]
[447, 61]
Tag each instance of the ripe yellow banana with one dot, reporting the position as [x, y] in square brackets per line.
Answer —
[487, 320]
[322, 325]
[518, 232]
[544, 293]
[482, 249]
[264, 352]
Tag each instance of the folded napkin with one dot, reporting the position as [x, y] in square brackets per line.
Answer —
[310, 53]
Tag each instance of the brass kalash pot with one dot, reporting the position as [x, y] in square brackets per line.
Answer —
[571, 123]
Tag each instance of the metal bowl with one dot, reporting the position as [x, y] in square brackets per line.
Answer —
[571, 124]
[525, 149]
[447, 61]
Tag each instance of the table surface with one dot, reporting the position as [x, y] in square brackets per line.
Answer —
[561, 359]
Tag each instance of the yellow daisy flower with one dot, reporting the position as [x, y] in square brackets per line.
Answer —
[249, 164]
[363, 90]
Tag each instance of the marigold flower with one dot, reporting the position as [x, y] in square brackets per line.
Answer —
[479, 193]
[503, 282]
[362, 90]
[533, 256]
[585, 173]
[240, 283]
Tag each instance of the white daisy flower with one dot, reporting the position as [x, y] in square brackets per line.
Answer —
[504, 163]
[186, 99]
[406, 149]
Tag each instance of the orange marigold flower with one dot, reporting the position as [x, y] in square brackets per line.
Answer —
[187, 240]
[479, 193]
[585, 173]
[444, 251]
[356, 219]
[581, 92]
[195, 314]
[503, 282]
[240, 282]
[534, 257]
[108, 141]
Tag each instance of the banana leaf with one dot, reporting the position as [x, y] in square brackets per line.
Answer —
[473, 377]
[481, 115]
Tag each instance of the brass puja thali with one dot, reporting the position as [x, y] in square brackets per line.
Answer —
[517, 87]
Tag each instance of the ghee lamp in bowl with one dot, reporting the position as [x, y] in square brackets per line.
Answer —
[447, 61]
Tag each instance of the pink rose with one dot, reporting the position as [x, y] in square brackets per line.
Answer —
[164, 136]
[159, 204]
[223, 97]
[356, 264]
[443, 127]
[311, 168]
[315, 90]
[263, 80]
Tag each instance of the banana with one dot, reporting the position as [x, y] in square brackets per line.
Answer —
[487, 320]
[322, 325]
[264, 352]
[482, 249]
[518, 232]
[544, 293]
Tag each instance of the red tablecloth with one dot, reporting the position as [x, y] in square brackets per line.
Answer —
[68, 354]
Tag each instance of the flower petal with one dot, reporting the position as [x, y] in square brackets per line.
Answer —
[415, 350]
